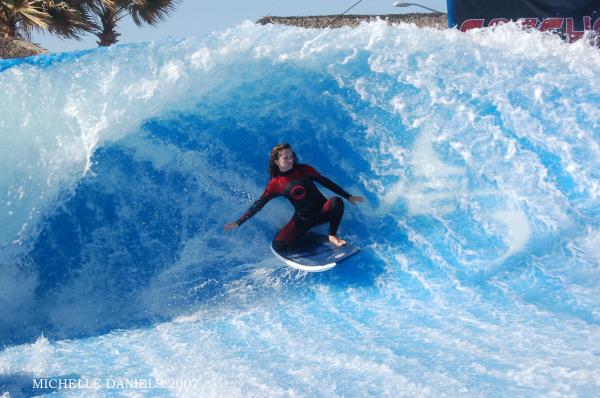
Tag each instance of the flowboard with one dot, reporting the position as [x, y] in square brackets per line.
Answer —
[314, 253]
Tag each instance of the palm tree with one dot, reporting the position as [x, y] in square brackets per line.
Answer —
[105, 14]
[19, 18]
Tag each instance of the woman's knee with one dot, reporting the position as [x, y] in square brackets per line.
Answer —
[335, 205]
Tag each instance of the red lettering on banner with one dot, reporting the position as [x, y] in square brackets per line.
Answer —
[528, 22]
[551, 24]
[471, 24]
[575, 35]
[547, 24]
[498, 21]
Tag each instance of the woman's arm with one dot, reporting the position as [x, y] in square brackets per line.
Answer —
[332, 186]
[266, 196]
[256, 206]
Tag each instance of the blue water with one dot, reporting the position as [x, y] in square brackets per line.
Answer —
[479, 158]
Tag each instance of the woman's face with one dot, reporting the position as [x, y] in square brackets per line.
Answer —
[285, 161]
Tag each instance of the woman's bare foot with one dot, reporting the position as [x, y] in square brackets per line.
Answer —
[336, 241]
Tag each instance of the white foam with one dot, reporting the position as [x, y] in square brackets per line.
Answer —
[518, 230]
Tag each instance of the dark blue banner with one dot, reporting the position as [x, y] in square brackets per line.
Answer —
[567, 17]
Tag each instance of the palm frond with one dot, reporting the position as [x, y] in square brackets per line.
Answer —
[151, 11]
[65, 20]
[95, 6]
[34, 17]
[21, 17]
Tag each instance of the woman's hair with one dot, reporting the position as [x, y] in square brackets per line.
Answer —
[273, 168]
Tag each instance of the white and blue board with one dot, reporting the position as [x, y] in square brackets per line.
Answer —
[314, 253]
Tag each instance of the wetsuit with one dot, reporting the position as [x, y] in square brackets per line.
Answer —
[311, 207]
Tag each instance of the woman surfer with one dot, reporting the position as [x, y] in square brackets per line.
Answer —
[294, 181]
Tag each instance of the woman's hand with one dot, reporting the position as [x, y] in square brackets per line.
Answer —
[356, 199]
[230, 226]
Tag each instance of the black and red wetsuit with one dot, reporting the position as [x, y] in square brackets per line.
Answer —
[311, 207]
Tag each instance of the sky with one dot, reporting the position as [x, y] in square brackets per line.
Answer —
[195, 17]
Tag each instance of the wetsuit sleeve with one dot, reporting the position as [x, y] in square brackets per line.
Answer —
[266, 196]
[326, 182]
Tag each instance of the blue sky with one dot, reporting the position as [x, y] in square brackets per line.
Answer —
[193, 17]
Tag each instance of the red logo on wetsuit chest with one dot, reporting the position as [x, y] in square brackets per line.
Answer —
[297, 192]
